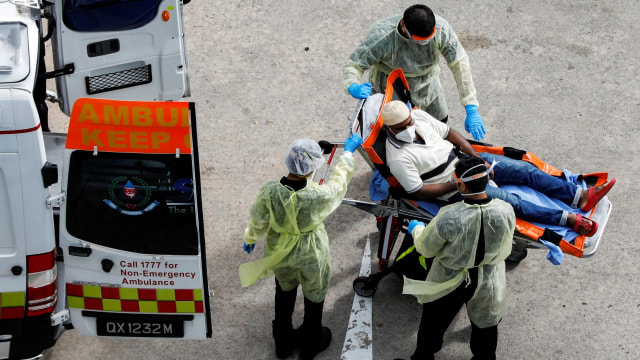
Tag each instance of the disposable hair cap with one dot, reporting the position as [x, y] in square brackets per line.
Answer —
[303, 157]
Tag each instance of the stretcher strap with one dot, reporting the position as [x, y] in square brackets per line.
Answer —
[440, 168]
[551, 236]
[514, 153]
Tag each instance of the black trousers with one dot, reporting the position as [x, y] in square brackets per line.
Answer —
[438, 315]
[285, 302]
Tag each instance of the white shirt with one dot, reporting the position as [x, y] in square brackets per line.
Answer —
[409, 161]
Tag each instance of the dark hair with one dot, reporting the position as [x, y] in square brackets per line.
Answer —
[419, 20]
[467, 162]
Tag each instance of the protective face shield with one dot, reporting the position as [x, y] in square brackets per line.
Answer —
[417, 39]
[463, 179]
[407, 135]
[303, 157]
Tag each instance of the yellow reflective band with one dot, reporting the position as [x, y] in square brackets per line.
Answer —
[75, 302]
[135, 300]
[148, 306]
[12, 299]
[111, 305]
[91, 291]
[128, 294]
[166, 294]
[185, 307]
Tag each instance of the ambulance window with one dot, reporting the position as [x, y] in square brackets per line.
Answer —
[108, 15]
[14, 52]
[141, 203]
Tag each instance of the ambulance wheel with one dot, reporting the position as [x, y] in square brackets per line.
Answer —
[363, 286]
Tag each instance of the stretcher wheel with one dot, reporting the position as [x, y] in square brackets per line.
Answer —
[518, 253]
[365, 286]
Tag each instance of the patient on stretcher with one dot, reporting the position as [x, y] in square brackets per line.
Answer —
[421, 154]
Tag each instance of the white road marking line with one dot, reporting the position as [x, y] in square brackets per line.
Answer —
[359, 338]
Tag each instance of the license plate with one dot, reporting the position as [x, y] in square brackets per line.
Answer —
[140, 328]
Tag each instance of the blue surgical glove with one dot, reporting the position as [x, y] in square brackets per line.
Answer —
[352, 143]
[248, 248]
[412, 225]
[555, 254]
[473, 123]
[360, 91]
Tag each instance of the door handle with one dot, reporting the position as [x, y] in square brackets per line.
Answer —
[79, 251]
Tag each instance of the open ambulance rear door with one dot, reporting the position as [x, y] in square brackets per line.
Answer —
[131, 229]
[119, 49]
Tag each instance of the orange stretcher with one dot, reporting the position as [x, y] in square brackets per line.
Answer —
[394, 212]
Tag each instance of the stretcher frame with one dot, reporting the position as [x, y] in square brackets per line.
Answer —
[394, 213]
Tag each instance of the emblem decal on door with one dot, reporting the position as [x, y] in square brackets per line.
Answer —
[130, 196]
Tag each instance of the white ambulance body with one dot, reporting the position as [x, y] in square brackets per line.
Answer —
[126, 258]
[28, 270]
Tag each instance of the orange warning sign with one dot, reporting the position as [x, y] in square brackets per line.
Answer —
[130, 126]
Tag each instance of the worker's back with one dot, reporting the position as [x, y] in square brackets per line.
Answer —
[461, 223]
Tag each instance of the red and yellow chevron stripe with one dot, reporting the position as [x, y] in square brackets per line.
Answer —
[133, 300]
[12, 305]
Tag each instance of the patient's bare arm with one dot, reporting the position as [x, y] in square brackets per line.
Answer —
[432, 191]
[458, 140]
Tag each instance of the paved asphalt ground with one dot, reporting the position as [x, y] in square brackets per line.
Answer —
[557, 78]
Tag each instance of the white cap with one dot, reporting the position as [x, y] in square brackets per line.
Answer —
[395, 112]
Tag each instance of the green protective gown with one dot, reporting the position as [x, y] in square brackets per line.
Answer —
[297, 245]
[452, 238]
[385, 49]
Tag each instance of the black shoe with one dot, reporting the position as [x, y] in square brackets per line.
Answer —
[313, 347]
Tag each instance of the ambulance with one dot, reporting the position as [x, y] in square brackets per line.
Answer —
[100, 228]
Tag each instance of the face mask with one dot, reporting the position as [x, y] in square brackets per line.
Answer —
[407, 135]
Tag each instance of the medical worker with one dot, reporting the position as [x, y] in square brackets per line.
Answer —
[290, 213]
[413, 41]
[470, 241]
